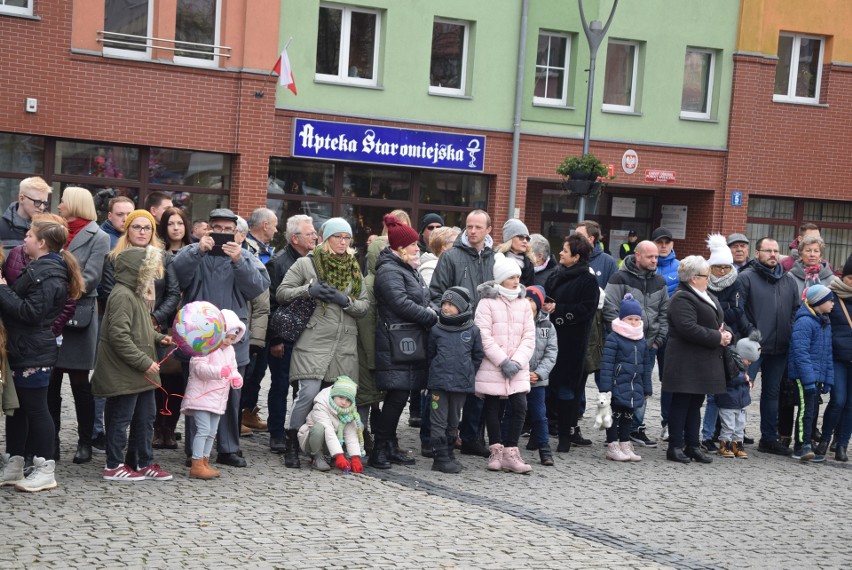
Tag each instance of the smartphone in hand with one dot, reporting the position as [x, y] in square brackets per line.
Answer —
[218, 241]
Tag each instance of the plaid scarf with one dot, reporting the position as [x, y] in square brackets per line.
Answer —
[339, 271]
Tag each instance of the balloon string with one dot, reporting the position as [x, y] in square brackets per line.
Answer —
[165, 411]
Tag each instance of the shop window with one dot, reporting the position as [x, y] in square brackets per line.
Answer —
[622, 63]
[348, 45]
[770, 208]
[782, 233]
[450, 189]
[697, 96]
[799, 71]
[448, 65]
[828, 212]
[837, 242]
[189, 168]
[16, 7]
[98, 160]
[377, 183]
[551, 69]
[21, 153]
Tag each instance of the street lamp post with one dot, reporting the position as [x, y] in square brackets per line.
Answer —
[595, 34]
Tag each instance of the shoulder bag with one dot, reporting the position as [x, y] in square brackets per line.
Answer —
[407, 343]
[289, 321]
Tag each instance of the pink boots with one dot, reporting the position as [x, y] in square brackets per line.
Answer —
[495, 461]
[512, 461]
[623, 451]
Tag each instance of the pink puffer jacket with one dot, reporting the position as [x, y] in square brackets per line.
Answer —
[208, 388]
[508, 331]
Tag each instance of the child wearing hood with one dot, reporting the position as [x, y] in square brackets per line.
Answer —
[211, 378]
[332, 423]
[506, 323]
[127, 372]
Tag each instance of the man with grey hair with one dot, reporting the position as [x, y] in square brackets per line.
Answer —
[33, 198]
[262, 227]
[544, 262]
[301, 238]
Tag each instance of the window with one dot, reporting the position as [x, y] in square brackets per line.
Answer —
[197, 31]
[551, 69]
[127, 26]
[448, 66]
[21, 156]
[348, 45]
[799, 70]
[17, 7]
[698, 68]
[622, 60]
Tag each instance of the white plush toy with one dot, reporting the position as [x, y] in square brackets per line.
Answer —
[603, 419]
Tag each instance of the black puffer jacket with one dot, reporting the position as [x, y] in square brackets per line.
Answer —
[29, 308]
[401, 297]
[454, 357]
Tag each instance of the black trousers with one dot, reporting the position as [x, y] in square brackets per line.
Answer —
[685, 419]
[31, 426]
[493, 412]
[394, 404]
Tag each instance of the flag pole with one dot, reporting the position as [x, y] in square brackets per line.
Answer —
[262, 92]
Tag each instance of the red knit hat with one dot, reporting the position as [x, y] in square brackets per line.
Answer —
[399, 235]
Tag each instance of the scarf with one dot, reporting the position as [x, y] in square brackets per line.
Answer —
[564, 274]
[460, 322]
[74, 227]
[627, 331]
[339, 271]
[841, 289]
[510, 294]
[703, 295]
[347, 415]
[717, 284]
[770, 274]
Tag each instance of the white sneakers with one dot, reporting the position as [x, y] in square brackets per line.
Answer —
[40, 478]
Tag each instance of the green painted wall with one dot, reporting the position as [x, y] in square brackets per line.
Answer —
[664, 27]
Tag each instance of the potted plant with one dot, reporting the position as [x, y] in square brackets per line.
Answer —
[583, 174]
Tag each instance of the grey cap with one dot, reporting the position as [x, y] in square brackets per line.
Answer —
[223, 214]
[737, 238]
[661, 233]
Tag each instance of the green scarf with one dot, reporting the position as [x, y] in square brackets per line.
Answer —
[347, 415]
[339, 271]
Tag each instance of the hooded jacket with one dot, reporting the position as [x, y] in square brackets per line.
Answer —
[13, 228]
[508, 331]
[322, 413]
[128, 340]
[462, 265]
[546, 349]
[667, 267]
[810, 358]
[603, 266]
[647, 287]
[454, 357]
[29, 307]
[207, 389]
[806, 276]
[771, 301]
[623, 371]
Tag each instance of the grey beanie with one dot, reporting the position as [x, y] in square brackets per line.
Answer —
[749, 348]
[514, 227]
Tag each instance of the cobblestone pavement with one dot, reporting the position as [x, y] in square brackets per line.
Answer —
[763, 512]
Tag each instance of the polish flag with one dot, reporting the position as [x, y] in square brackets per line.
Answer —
[285, 72]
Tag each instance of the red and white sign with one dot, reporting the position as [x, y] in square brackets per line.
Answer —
[661, 176]
[629, 161]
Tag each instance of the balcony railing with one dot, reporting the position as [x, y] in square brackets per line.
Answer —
[124, 41]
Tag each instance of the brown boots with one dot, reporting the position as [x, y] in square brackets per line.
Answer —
[201, 469]
[251, 419]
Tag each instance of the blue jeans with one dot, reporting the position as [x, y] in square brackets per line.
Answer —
[255, 371]
[471, 417]
[639, 411]
[711, 414]
[136, 411]
[279, 387]
[771, 368]
[839, 408]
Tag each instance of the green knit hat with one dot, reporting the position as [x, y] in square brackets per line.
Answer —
[344, 387]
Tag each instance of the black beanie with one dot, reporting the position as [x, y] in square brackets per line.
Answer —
[430, 219]
[847, 268]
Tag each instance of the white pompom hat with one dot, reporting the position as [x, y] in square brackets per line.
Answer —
[720, 253]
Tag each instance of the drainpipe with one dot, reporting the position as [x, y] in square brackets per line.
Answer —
[519, 97]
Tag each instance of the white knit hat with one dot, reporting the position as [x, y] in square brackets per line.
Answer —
[505, 268]
[720, 253]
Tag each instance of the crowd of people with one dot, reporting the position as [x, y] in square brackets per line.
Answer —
[481, 341]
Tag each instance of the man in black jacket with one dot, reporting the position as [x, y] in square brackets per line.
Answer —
[771, 301]
[301, 238]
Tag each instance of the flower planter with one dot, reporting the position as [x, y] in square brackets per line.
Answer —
[582, 187]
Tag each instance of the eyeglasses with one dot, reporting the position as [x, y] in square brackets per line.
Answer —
[433, 227]
[339, 237]
[523, 238]
[223, 229]
[37, 203]
[142, 229]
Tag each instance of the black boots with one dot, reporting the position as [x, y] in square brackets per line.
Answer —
[291, 449]
[545, 455]
[84, 453]
[698, 455]
[840, 453]
[677, 454]
[441, 460]
[379, 455]
[396, 455]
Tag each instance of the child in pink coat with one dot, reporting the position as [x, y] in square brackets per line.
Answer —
[210, 379]
[505, 321]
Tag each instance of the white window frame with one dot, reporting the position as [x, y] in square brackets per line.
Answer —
[790, 97]
[549, 100]
[135, 54]
[462, 89]
[197, 61]
[343, 58]
[632, 107]
[708, 112]
[17, 10]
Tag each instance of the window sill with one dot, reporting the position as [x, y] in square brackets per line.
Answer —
[699, 119]
[22, 16]
[554, 106]
[451, 95]
[786, 101]
[347, 84]
[616, 112]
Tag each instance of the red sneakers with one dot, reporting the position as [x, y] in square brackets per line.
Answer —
[123, 473]
[154, 473]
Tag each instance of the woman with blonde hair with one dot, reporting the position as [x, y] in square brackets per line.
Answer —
[29, 307]
[440, 241]
[516, 246]
[89, 245]
[327, 348]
